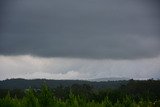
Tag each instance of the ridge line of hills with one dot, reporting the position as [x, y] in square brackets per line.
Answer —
[20, 83]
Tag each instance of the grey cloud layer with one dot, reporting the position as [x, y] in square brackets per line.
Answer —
[30, 67]
[80, 28]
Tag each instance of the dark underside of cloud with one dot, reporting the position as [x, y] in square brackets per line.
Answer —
[126, 29]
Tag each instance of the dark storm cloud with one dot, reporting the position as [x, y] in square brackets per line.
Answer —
[80, 28]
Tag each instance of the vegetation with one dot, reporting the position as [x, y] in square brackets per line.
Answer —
[133, 94]
[37, 83]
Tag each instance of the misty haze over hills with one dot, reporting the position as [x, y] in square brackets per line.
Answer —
[109, 79]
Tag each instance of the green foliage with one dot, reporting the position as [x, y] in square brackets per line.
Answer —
[30, 100]
[46, 98]
[78, 96]
[106, 102]
[9, 102]
[157, 103]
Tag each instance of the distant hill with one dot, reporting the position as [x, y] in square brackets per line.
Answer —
[109, 79]
[37, 83]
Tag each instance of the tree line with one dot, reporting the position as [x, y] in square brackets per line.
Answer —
[132, 94]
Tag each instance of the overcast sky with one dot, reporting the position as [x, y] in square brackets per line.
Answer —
[79, 39]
